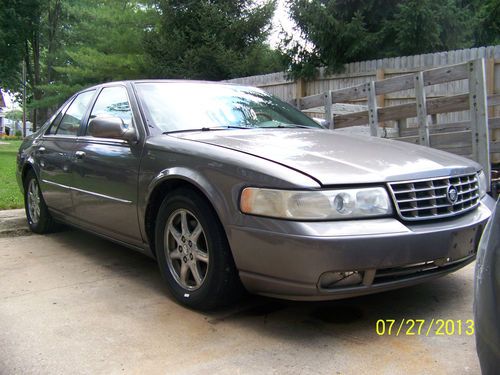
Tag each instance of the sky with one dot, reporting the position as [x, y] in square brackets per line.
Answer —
[280, 20]
[9, 100]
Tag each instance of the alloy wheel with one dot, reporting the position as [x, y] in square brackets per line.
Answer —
[186, 249]
[34, 201]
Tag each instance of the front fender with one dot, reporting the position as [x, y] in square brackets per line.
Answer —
[196, 179]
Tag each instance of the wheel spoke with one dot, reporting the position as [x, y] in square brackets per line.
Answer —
[177, 236]
[196, 232]
[184, 223]
[196, 274]
[175, 254]
[184, 273]
[201, 255]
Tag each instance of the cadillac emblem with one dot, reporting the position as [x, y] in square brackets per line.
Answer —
[452, 194]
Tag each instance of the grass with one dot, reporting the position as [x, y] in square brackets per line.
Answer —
[10, 195]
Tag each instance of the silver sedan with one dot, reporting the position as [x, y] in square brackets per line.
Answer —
[229, 188]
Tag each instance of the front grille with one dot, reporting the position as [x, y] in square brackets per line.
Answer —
[429, 199]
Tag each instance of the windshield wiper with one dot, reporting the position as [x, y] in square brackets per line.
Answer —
[206, 129]
[286, 126]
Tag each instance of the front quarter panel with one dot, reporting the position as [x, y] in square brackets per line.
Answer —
[219, 173]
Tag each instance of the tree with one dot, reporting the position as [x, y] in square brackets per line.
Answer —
[14, 115]
[487, 30]
[105, 44]
[341, 31]
[211, 39]
[28, 28]
[424, 26]
[70, 44]
[335, 32]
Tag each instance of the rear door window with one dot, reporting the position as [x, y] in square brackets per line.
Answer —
[70, 122]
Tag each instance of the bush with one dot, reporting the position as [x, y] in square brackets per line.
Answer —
[10, 137]
[19, 133]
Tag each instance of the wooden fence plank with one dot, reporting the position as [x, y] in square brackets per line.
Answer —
[479, 115]
[403, 82]
[372, 108]
[393, 113]
[423, 126]
[328, 109]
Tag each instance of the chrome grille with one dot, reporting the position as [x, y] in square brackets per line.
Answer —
[428, 199]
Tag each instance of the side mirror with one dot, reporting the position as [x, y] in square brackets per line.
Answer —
[111, 127]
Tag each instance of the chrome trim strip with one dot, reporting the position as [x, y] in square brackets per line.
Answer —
[58, 136]
[90, 139]
[435, 178]
[87, 192]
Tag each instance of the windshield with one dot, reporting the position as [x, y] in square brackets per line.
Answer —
[175, 106]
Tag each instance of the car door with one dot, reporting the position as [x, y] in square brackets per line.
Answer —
[106, 173]
[55, 153]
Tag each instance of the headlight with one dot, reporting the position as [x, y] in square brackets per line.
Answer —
[316, 205]
[482, 183]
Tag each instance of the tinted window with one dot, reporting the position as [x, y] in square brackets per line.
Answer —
[113, 101]
[71, 120]
[56, 118]
[53, 127]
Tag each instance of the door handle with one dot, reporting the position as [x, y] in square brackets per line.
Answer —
[41, 150]
[80, 154]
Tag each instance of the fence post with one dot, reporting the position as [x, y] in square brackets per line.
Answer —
[423, 126]
[328, 109]
[479, 116]
[380, 75]
[402, 125]
[300, 91]
[372, 109]
[490, 83]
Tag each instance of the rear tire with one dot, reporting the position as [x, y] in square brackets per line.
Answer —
[39, 219]
[193, 253]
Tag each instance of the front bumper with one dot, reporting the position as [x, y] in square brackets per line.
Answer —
[287, 259]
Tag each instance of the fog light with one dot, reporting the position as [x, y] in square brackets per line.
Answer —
[340, 279]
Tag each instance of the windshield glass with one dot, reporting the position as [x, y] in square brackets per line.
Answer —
[175, 106]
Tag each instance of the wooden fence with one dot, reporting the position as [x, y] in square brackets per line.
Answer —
[357, 73]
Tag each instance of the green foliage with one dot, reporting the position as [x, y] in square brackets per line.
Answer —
[14, 115]
[68, 45]
[423, 26]
[341, 31]
[487, 31]
[105, 44]
[18, 20]
[212, 40]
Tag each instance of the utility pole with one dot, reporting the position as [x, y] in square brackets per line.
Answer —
[24, 98]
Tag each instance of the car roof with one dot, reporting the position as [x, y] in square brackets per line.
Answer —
[176, 81]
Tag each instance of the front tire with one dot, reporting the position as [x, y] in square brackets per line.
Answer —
[39, 219]
[193, 253]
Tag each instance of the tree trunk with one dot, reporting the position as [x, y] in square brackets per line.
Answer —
[37, 92]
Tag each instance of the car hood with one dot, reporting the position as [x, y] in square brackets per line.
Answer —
[333, 158]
